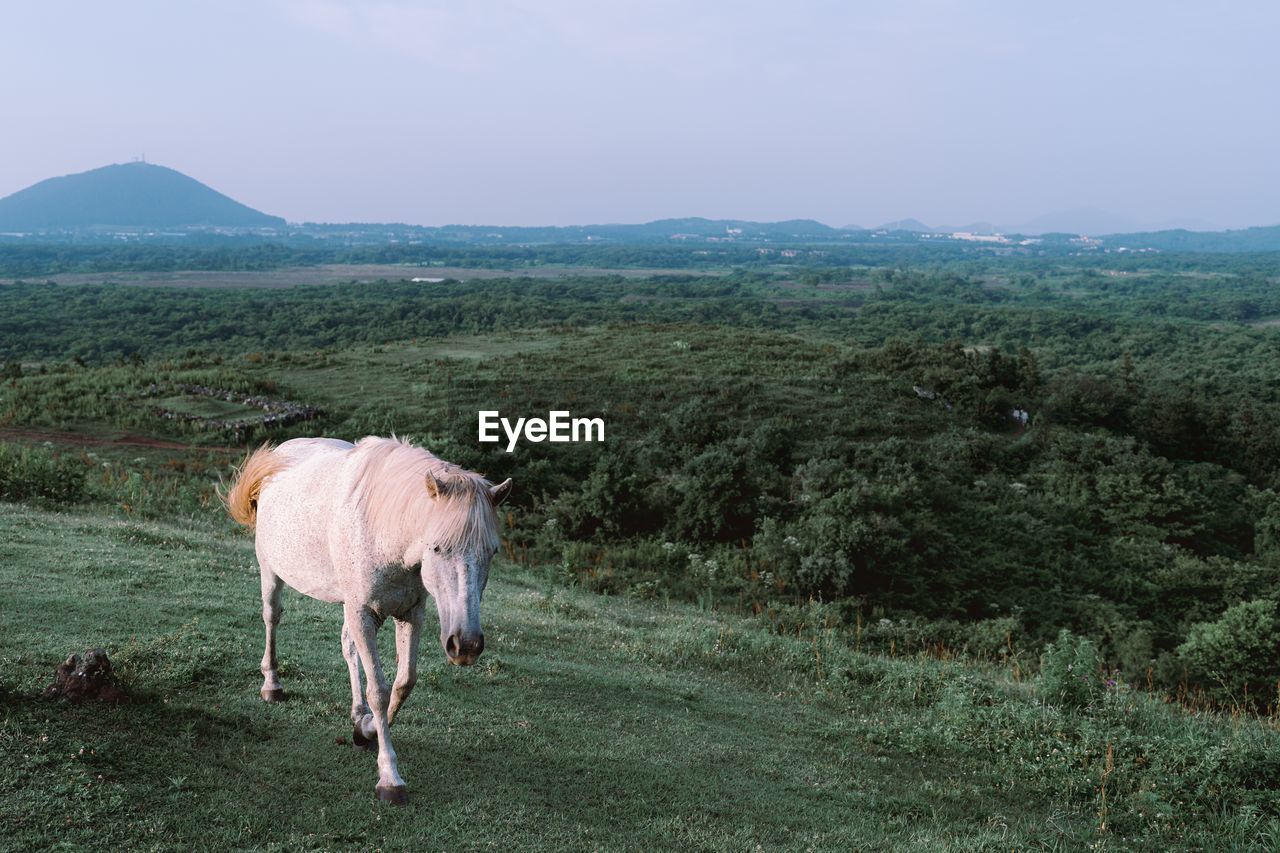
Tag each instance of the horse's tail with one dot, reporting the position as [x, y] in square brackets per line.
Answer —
[241, 499]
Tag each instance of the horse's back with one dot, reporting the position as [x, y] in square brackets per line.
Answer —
[295, 511]
[302, 449]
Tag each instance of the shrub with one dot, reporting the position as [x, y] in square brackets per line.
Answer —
[1071, 671]
[990, 639]
[1237, 656]
[986, 639]
[718, 497]
[803, 620]
[39, 475]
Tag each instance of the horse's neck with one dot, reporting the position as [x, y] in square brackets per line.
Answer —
[392, 547]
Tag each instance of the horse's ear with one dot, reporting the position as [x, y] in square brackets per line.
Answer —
[433, 487]
[499, 492]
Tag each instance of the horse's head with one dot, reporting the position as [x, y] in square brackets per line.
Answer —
[460, 541]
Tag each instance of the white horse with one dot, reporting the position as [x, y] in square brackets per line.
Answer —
[375, 526]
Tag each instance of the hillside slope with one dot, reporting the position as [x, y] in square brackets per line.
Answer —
[589, 723]
[125, 195]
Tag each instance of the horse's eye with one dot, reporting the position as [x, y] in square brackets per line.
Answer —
[436, 548]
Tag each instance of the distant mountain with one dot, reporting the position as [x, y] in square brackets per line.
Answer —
[127, 195]
[1182, 223]
[1080, 220]
[906, 225]
[692, 229]
[721, 227]
[974, 228]
[1259, 239]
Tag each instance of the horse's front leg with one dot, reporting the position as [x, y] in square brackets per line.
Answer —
[271, 610]
[363, 627]
[363, 733]
[408, 632]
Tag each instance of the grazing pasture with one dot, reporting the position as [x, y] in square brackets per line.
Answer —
[589, 722]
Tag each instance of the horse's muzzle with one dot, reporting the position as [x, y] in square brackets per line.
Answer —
[463, 649]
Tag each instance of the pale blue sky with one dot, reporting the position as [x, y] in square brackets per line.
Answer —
[560, 111]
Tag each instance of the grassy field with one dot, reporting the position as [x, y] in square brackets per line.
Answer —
[206, 407]
[590, 723]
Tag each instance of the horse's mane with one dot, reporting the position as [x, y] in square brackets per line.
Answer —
[391, 489]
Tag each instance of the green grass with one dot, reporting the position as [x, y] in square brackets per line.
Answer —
[590, 723]
[206, 407]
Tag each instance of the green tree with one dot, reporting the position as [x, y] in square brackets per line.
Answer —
[1237, 658]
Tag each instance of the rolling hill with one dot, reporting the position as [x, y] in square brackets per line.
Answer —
[129, 195]
[593, 722]
[912, 225]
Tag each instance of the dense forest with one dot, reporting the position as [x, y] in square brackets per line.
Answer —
[960, 455]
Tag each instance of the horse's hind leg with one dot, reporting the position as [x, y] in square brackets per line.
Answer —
[363, 733]
[271, 610]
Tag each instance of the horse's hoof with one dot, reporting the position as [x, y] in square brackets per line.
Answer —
[272, 694]
[394, 794]
[359, 741]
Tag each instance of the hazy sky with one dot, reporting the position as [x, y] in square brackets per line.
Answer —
[560, 112]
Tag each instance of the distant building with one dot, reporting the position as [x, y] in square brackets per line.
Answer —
[979, 238]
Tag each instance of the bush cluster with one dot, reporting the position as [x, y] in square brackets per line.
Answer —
[39, 475]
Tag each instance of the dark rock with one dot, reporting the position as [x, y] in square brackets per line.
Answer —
[83, 677]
